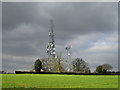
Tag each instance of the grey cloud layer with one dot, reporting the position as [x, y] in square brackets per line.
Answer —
[26, 25]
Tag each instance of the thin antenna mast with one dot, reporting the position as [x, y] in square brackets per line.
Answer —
[68, 49]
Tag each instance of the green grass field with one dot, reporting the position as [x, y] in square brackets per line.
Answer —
[58, 81]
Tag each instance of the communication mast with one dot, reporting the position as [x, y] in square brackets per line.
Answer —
[51, 44]
[68, 49]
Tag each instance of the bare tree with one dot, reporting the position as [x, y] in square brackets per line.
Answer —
[55, 65]
[106, 67]
[45, 64]
[79, 65]
[58, 63]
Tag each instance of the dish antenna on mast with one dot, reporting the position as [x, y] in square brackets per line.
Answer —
[68, 49]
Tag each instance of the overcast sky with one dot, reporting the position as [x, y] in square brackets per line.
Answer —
[91, 29]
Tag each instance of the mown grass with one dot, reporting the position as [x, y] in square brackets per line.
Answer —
[58, 81]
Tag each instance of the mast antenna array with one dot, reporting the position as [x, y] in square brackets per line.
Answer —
[51, 44]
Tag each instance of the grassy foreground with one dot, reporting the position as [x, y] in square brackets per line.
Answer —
[58, 81]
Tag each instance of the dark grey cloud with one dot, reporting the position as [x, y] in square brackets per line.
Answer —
[16, 13]
[92, 15]
[91, 29]
[85, 17]
[24, 41]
